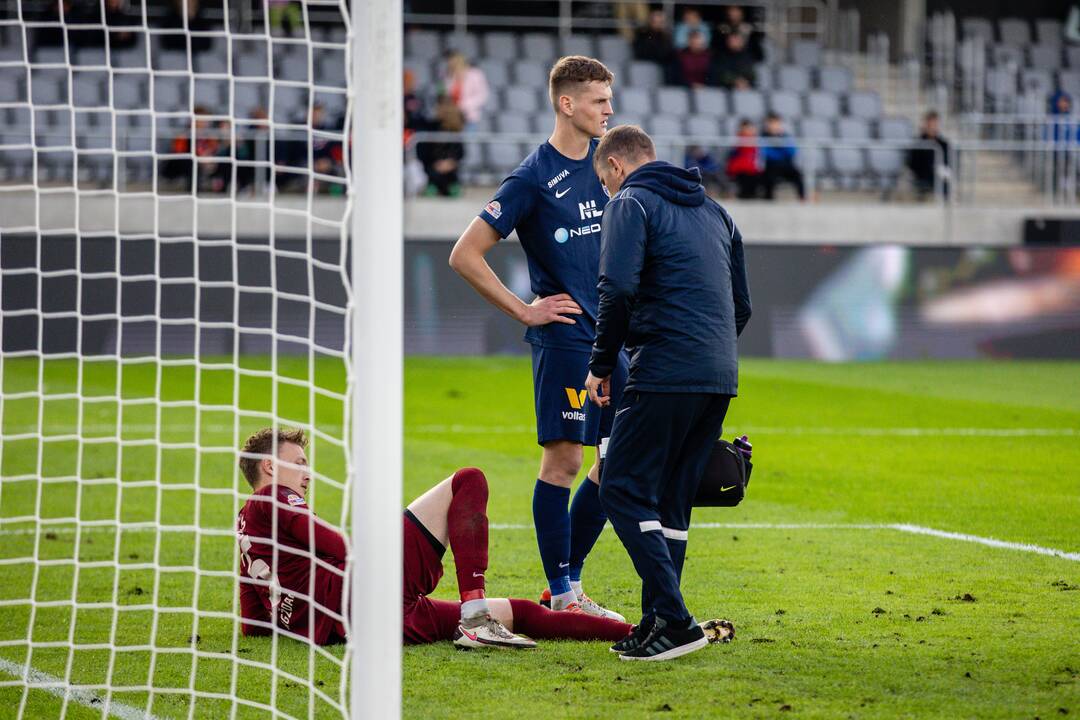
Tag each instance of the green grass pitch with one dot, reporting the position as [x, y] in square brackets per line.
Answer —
[832, 621]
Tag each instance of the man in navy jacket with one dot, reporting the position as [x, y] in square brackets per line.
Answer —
[673, 290]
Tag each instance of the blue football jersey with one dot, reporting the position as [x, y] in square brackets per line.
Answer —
[556, 205]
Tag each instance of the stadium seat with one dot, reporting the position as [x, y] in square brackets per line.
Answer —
[613, 50]
[48, 56]
[1048, 32]
[785, 103]
[1005, 55]
[211, 92]
[134, 132]
[1045, 57]
[820, 103]
[977, 27]
[48, 86]
[812, 159]
[531, 73]
[170, 93]
[13, 86]
[133, 57]
[53, 128]
[517, 99]
[895, 128]
[423, 44]
[864, 104]
[167, 60]
[847, 163]
[627, 119]
[644, 74]
[577, 45]
[669, 126]
[11, 45]
[540, 124]
[466, 43]
[747, 104]
[496, 72]
[1001, 89]
[330, 67]
[806, 53]
[503, 157]
[250, 58]
[793, 77]
[88, 88]
[669, 153]
[835, 78]
[291, 63]
[886, 163]
[539, 46]
[710, 101]
[89, 57]
[673, 101]
[816, 127]
[91, 135]
[852, 128]
[763, 77]
[332, 101]
[1040, 82]
[501, 46]
[214, 60]
[632, 101]
[703, 126]
[290, 104]
[130, 91]
[1014, 31]
[248, 95]
[16, 152]
[511, 122]
[1069, 81]
[1072, 56]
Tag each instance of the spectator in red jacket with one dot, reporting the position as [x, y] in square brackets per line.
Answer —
[744, 164]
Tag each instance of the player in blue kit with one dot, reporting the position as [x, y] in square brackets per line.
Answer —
[555, 203]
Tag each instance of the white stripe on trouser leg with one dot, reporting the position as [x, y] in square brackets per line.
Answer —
[673, 534]
[649, 525]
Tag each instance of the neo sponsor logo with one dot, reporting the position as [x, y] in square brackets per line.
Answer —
[562, 234]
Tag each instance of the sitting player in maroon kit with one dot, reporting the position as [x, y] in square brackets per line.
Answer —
[451, 514]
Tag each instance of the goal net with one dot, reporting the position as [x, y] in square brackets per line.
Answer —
[177, 271]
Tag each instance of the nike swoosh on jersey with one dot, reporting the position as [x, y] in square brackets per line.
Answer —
[560, 194]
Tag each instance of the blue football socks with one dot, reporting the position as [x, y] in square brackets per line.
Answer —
[553, 534]
[587, 521]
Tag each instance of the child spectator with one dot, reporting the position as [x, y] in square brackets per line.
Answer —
[744, 162]
[780, 159]
[691, 22]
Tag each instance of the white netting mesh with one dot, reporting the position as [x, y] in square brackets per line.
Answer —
[173, 270]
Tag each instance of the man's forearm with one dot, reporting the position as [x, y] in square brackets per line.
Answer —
[483, 279]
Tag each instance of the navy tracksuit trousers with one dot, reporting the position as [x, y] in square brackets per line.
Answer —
[657, 453]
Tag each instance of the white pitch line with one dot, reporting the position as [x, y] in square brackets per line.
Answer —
[896, 527]
[989, 542]
[38, 680]
[98, 429]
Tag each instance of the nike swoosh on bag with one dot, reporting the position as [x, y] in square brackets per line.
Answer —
[730, 487]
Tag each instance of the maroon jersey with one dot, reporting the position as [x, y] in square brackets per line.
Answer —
[280, 588]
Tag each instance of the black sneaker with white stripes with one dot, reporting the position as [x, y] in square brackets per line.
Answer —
[666, 642]
[637, 636]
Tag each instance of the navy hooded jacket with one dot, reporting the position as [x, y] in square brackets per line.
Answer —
[672, 285]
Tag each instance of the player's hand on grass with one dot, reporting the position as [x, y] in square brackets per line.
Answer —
[553, 308]
[599, 389]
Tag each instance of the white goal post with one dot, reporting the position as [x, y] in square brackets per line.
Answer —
[200, 236]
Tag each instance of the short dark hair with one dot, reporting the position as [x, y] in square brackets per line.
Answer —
[772, 116]
[628, 142]
[262, 443]
[930, 115]
[572, 72]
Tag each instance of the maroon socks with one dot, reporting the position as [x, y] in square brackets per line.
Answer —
[467, 524]
[539, 623]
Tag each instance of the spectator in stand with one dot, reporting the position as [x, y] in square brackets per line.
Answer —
[326, 152]
[653, 42]
[467, 87]
[212, 146]
[286, 18]
[734, 65]
[780, 159]
[712, 174]
[735, 23]
[691, 22]
[744, 162]
[632, 15]
[414, 114]
[119, 21]
[186, 14]
[442, 159]
[695, 62]
[926, 164]
[1060, 125]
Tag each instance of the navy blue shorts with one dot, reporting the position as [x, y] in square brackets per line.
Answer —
[563, 408]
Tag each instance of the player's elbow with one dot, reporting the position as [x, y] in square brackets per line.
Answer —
[460, 257]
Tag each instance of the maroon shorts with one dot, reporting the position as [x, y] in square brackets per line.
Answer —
[424, 620]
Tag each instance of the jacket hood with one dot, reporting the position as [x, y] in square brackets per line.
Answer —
[674, 184]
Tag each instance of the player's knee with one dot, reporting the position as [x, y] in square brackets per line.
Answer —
[469, 478]
[561, 463]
